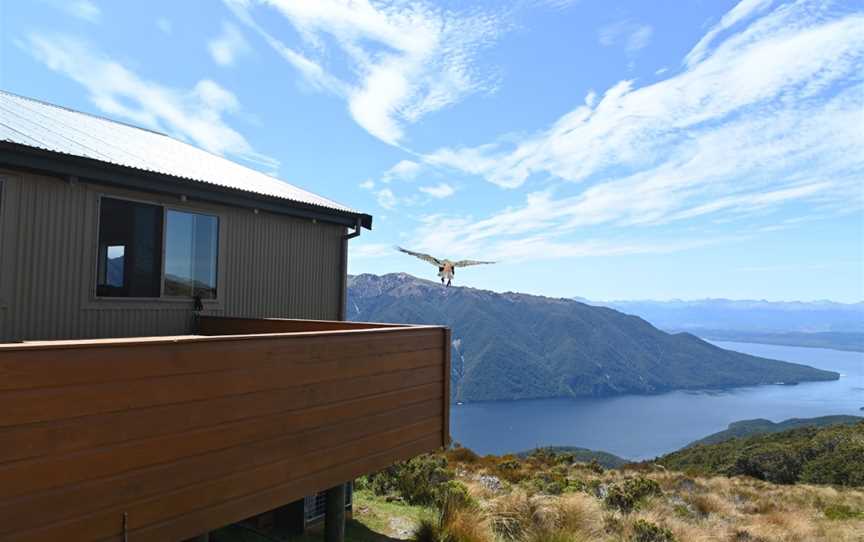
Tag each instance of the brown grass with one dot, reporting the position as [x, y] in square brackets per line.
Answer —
[695, 509]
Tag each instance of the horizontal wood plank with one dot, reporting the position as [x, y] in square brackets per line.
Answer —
[190, 434]
[23, 477]
[29, 406]
[47, 367]
[375, 452]
[81, 499]
[64, 436]
[239, 509]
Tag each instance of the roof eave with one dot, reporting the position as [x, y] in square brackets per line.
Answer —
[88, 169]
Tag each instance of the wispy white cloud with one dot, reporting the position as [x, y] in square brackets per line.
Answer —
[501, 239]
[404, 170]
[368, 184]
[86, 10]
[742, 11]
[196, 114]
[766, 114]
[369, 250]
[228, 46]
[557, 4]
[440, 190]
[164, 25]
[405, 59]
[633, 35]
[386, 198]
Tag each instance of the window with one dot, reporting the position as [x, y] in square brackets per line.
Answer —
[191, 246]
[130, 249]
[134, 263]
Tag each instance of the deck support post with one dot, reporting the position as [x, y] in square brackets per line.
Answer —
[334, 518]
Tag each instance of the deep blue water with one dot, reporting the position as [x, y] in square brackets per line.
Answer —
[644, 426]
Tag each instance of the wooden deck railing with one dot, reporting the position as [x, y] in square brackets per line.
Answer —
[182, 435]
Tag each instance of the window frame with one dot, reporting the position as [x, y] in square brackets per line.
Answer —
[96, 301]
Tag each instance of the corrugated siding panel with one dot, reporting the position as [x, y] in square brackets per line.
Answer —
[271, 266]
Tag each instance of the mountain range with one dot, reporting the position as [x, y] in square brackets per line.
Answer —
[751, 315]
[816, 324]
[519, 346]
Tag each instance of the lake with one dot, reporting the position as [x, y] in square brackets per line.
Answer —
[645, 426]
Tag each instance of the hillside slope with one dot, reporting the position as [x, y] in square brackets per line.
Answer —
[519, 346]
[746, 428]
[814, 455]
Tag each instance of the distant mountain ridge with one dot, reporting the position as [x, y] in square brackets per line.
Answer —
[816, 324]
[519, 346]
[749, 315]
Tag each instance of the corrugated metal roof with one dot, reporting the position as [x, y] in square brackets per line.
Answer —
[37, 124]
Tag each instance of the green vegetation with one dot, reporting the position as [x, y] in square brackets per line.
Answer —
[816, 455]
[627, 496]
[645, 531]
[584, 455]
[418, 481]
[842, 512]
[518, 346]
[548, 496]
[543, 496]
[746, 428]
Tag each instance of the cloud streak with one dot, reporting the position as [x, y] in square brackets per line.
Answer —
[228, 46]
[635, 36]
[404, 59]
[196, 114]
[767, 113]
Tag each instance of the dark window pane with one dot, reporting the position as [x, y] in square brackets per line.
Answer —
[115, 266]
[130, 249]
[191, 251]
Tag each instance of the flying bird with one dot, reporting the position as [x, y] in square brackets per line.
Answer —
[446, 268]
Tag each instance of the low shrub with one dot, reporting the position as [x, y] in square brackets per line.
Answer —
[416, 481]
[842, 512]
[458, 454]
[626, 496]
[773, 462]
[645, 531]
[842, 466]
[550, 483]
[595, 467]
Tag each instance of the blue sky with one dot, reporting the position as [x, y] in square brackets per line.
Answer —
[604, 150]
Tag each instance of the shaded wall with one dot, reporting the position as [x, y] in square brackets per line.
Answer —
[269, 265]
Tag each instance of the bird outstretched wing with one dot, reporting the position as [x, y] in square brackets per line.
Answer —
[466, 263]
[425, 257]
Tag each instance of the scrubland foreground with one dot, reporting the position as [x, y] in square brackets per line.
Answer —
[803, 485]
[458, 496]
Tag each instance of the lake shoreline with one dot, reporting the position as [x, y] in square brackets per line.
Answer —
[644, 426]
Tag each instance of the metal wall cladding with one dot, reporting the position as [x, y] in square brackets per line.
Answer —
[269, 265]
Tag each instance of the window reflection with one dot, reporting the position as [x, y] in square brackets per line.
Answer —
[191, 250]
[130, 246]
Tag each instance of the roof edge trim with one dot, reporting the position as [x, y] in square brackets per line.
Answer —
[89, 169]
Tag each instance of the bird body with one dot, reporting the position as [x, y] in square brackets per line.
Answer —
[446, 268]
